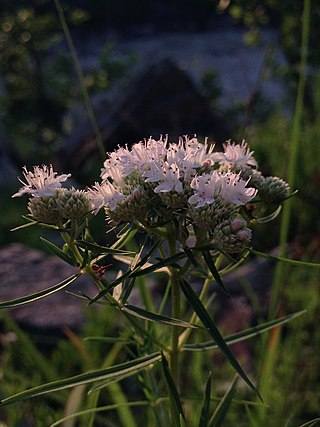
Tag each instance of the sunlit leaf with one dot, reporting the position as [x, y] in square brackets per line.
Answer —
[59, 252]
[86, 378]
[157, 318]
[313, 423]
[93, 247]
[99, 409]
[286, 260]
[245, 334]
[41, 294]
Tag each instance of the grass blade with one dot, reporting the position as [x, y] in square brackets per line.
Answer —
[204, 416]
[214, 332]
[98, 409]
[312, 423]
[103, 374]
[172, 393]
[157, 318]
[223, 407]
[38, 295]
[245, 334]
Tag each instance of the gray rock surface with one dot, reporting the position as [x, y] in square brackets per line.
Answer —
[24, 271]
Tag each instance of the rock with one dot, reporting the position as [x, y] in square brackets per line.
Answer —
[24, 271]
[162, 100]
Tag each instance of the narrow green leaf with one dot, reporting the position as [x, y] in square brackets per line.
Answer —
[137, 272]
[157, 318]
[163, 263]
[93, 247]
[312, 423]
[99, 409]
[28, 224]
[223, 407]
[213, 269]
[191, 257]
[214, 332]
[286, 260]
[108, 373]
[270, 217]
[109, 340]
[59, 252]
[129, 231]
[41, 294]
[245, 334]
[182, 421]
[172, 393]
[204, 416]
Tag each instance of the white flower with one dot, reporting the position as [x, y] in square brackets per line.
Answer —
[233, 189]
[167, 174]
[205, 187]
[104, 194]
[43, 181]
[140, 157]
[236, 155]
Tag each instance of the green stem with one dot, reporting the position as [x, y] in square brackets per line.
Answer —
[175, 310]
[295, 138]
[80, 75]
[89, 271]
[175, 307]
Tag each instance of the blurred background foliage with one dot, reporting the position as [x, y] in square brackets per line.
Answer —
[38, 88]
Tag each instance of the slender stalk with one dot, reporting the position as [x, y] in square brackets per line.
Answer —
[292, 170]
[80, 75]
[270, 353]
[175, 308]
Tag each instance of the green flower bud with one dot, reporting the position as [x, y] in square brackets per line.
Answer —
[64, 204]
[44, 209]
[72, 203]
[208, 217]
[273, 189]
[134, 207]
[231, 236]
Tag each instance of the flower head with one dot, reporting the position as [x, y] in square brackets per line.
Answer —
[233, 189]
[43, 181]
[205, 186]
[236, 155]
[105, 194]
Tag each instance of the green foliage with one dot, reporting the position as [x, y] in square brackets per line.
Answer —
[286, 17]
[38, 77]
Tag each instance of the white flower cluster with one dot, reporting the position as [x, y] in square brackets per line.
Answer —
[186, 167]
[157, 181]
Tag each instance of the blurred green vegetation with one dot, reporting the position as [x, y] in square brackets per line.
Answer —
[39, 83]
[38, 91]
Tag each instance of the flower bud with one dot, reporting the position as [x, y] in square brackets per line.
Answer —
[64, 204]
[273, 189]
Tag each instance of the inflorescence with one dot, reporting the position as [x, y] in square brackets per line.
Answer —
[156, 182]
